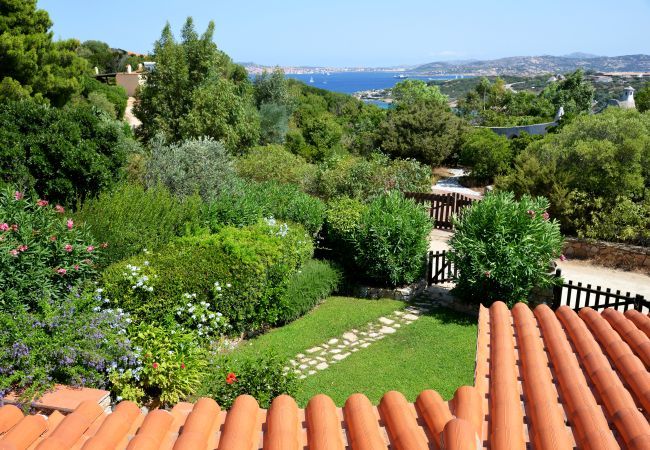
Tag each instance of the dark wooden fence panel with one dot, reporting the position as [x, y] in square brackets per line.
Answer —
[440, 269]
[442, 206]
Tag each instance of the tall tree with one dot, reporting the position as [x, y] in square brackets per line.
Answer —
[28, 56]
[642, 98]
[413, 91]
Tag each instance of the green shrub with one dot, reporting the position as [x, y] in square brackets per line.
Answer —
[248, 267]
[275, 163]
[115, 95]
[503, 248]
[487, 153]
[67, 340]
[366, 178]
[170, 366]
[262, 377]
[390, 244]
[314, 281]
[195, 166]
[131, 218]
[42, 251]
[342, 222]
[63, 153]
[246, 203]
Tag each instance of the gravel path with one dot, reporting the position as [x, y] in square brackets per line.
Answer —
[452, 184]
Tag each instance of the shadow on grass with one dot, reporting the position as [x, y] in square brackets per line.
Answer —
[446, 316]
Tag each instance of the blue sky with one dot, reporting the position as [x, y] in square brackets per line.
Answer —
[367, 32]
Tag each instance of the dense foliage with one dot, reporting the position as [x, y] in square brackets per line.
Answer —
[113, 97]
[242, 272]
[68, 339]
[487, 153]
[264, 377]
[246, 203]
[131, 218]
[586, 169]
[196, 166]
[275, 163]
[42, 251]
[197, 91]
[315, 281]
[64, 154]
[504, 248]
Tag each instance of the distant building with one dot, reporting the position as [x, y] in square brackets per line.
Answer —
[626, 101]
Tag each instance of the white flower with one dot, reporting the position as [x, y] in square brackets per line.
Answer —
[146, 263]
[228, 285]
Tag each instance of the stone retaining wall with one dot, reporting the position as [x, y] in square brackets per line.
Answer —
[609, 254]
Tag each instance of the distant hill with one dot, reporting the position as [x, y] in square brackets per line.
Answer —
[535, 65]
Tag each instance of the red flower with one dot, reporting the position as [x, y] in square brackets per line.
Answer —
[531, 213]
[546, 215]
[13, 252]
[231, 378]
[76, 267]
[61, 271]
[22, 248]
[562, 258]
[42, 202]
[14, 227]
[182, 365]
[155, 365]
[70, 224]
[60, 209]
[68, 248]
[90, 248]
[488, 273]
[52, 238]
[18, 195]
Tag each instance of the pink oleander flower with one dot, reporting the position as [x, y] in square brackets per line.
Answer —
[90, 248]
[546, 215]
[531, 213]
[4, 226]
[52, 238]
[562, 258]
[67, 248]
[76, 267]
[19, 195]
[42, 202]
[61, 271]
[13, 252]
[60, 209]
[14, 227]
[70, 224]
[22, 248]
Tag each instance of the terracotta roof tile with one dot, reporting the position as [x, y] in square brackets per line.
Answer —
[543, 380]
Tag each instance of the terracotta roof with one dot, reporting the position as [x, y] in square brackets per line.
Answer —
[543, 380]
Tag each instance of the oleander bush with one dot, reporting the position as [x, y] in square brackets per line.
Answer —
[275, 163]
[194, 166]
[241, 272]
[315, 281]
[342, 221]
[42, 250]
[69, 339]
[131, 218]
[263, 377]
[391, 241]
[62, 153]
[247, 202]
[169, 367]
[503, 248]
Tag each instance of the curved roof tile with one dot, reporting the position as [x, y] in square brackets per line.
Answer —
[543, 379]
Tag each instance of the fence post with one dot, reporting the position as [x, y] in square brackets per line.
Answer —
[429, 268]
[638, 302]
[557, 291]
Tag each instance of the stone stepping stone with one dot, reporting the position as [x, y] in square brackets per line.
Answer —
[335, 350]
[333, 341]
[342, 356]
[350, 336]
[387, 330]
[410, 317]
[303, 366]
[386, 321]
[314, 349]
[322, 366]
[311, 372]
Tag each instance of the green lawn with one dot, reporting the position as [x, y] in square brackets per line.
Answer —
[435, 352]
[333, 317]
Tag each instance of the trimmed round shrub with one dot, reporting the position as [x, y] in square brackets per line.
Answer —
[196, 166]
[391, 241]
[315, 281]
[247, 202]
[131, 218]
[275, 163]
[503, 248]
[42, 250]
[242, 272]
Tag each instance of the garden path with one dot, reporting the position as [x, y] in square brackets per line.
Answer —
[322, 356]
[576, 270]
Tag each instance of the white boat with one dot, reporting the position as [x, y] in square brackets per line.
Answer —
[311, 80]
[401, 75]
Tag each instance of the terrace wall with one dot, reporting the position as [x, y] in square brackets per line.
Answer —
[609, 254]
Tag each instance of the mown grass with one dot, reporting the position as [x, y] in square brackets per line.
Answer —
[435, 352]
[333, 317]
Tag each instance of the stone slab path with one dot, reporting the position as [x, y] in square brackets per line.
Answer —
[337, 349]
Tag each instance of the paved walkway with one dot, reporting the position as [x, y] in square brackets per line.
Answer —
[452, 184]
[129, 117]
[576, 270]
[335, 350]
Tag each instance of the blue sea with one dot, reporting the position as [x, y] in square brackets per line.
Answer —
[350, 82]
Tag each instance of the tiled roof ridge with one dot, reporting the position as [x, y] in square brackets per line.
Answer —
[545, 379]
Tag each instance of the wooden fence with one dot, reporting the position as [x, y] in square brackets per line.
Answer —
[442, 206]
[577, 296]
[440, 270]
